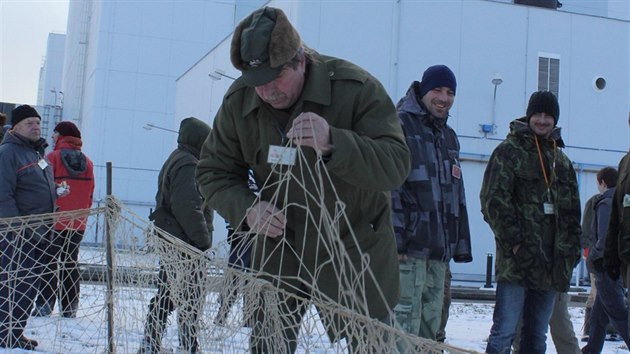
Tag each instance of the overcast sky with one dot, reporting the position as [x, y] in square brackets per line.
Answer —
[24, 28]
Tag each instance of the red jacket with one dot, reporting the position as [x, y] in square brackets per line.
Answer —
[76, 169]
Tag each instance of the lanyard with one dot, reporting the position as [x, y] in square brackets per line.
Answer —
[542, 164]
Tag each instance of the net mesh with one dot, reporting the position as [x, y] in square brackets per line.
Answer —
[198, 283]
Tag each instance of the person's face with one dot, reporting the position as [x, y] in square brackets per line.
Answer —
[29, 128]
[439, 101]
[541, 124]
[284, 91]
[55, 137]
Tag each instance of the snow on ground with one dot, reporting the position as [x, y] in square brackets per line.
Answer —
[468, 328]
[469, 325]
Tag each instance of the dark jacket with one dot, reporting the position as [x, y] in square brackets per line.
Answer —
[370, 159]
[72, 166]
[25, 189]
[177, 187]
[429, 209]
[599, 227]
[617, 250]
[512, 195]
[587, 221]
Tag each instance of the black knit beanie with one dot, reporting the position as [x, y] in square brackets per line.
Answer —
[22, 112]
[543, 102]
[437, 76]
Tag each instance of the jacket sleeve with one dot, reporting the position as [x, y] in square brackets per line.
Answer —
[463, 249]
[587, 223]
[617, 229]
[497, 205]
[222, 174]
[8, 183]
[372, 155]
[187, 206]
[603, 219]
[573, 247]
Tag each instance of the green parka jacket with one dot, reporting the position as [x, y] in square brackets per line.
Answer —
[177, 187]
[370, 158]
[512, 197]
[617, 249]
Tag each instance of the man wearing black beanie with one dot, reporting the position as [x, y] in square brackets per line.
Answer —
[27, 190]
[433, 195]
[530, 199]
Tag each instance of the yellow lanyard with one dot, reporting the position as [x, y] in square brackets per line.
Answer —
[542, 164]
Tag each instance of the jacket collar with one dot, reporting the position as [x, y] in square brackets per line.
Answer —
[12, 138]
[520, 127]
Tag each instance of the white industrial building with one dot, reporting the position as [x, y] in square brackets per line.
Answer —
[129, 63]
[500, 52]
[49, 93]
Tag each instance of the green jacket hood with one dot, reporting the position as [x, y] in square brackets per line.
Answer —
[193, 132]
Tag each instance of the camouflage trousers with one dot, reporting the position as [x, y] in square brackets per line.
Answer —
[419, 310]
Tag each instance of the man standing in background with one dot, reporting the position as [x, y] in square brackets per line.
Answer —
[429, 209]
[27, 187]
[530, 199]
[182, 212]
[74, 172]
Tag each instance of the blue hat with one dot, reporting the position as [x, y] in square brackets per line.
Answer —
[437, 76]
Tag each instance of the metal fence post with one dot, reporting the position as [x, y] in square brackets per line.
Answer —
[488, 271]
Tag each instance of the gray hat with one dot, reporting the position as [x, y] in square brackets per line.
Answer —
[262, 43]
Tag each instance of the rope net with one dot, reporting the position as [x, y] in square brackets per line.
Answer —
[211, 299]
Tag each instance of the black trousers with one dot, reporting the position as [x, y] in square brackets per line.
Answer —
[61, 276]
[186, 294]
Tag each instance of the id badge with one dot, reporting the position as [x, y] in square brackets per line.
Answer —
[549, 208]
[282, 155]
[456, 171]
[42, 164]
[626, 200]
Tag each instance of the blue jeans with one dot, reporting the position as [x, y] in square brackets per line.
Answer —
[512, 301]
[609, 304]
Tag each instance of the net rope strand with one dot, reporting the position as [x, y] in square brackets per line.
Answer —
[139, 247]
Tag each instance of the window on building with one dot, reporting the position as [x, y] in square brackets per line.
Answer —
[549, 74]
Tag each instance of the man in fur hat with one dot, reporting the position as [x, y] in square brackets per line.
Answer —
[343, 123]
[530, 199]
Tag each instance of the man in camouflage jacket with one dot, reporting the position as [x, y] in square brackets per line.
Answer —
[529, 197]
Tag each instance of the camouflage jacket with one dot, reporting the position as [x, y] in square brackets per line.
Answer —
[429, 209]
[513, 194]
[617, 249]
